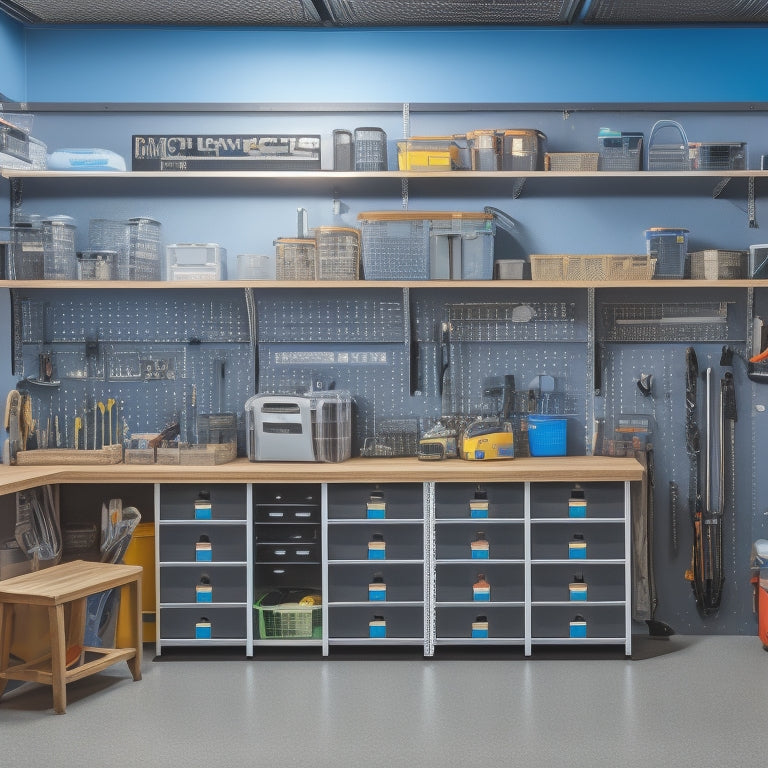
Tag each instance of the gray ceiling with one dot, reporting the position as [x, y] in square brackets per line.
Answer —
[386, 13]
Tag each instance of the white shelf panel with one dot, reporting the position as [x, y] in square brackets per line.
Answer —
[577, 561]
[578, 641]
[577, 603]
[376, 562]
[198, 563]
[194, 642]
[479, 641]
[203, 522]
[577, 520]
[375, 603]
[480, 561]
[478, 520]
[376, 641]
[377, 521]
[204, 605]
[481, 604]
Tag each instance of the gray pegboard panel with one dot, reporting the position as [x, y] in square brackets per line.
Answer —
[326, 317]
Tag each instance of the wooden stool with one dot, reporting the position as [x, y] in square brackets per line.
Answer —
[67, 586]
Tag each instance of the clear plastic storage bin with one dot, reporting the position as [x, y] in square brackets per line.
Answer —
[669, 247]
[59, 256]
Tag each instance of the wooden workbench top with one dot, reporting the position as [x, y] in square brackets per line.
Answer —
[571, 469]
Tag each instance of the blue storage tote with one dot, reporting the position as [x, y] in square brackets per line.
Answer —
[547, 435]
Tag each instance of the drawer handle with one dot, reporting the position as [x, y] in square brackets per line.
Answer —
[280, 552]
[303, 514]
[302, 553]
[276, 514]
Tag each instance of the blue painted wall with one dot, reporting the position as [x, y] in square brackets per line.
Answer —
[471, 64]
[12, 58]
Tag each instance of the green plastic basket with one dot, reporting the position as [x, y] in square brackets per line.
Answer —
[289, 620]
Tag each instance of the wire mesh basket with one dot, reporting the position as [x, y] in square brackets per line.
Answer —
[571, 161]
[338, 253]
[395, 245]
[603, 266]
[722, 156]
[295, 258]
[370, 149]
[288, 620]
[671, 156]
[623, 152]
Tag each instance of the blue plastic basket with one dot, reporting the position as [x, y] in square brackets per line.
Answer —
[547, 435]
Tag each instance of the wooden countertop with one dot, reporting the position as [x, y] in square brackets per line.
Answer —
[566, 469]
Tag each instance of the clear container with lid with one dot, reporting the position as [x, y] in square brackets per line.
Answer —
[59, 256]
[145, 252]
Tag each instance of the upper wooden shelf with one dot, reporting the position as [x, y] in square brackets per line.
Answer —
[9, 173]
[534, 285]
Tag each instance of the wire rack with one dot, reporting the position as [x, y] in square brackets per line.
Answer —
[536, 321]
[666, 322]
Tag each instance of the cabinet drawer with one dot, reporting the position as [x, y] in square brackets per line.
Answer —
[290, 553]
[228, 583]
[226, 623]
[277, 533]
[287, 513]
[228, 502]
[177, 543]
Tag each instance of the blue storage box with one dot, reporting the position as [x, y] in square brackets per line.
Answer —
[203, 630]
[547, 435]
[377, 628]
[578, 627]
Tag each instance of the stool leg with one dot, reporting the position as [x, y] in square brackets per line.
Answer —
[132, 591]
[76, 630]
[58, 658]
[6, 625]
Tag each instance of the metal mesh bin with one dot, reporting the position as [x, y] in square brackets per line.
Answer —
[338, 253]
[395, 245]
[671, 155]
[370, 149]
[620, 151]
[723, 156]
[295, 258]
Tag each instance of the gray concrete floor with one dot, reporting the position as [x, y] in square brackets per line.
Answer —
[685, 701]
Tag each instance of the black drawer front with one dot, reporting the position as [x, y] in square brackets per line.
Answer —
[278, 533]
[287, 513]
[288, 553]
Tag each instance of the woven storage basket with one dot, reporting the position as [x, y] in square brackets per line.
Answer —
[603, 266]
[718, 265]
[571, 161]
